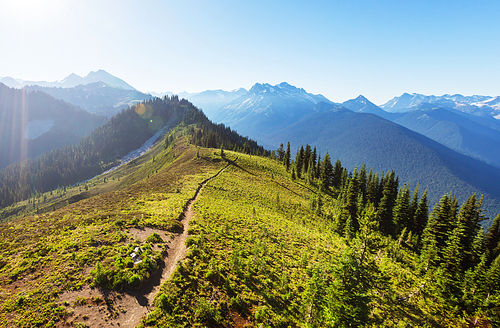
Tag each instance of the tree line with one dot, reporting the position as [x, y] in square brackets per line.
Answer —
[460, 260]
[124, 132]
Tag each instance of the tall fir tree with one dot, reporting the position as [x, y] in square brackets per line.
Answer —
[337, 174]
[492, 239]
[280, 153]
[386, 205]
[287, 157]
[299, 161]
[306, 158]
[326, 172]
[401, 212]
[421, 215]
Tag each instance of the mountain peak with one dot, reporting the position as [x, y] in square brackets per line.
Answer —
[362, 99]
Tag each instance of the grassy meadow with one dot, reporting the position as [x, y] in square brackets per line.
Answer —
[262, 250]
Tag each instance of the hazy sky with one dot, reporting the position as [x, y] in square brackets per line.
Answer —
[337, 48]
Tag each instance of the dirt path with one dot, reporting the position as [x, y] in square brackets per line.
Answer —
[105, 308]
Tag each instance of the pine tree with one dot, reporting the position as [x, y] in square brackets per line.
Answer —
[326, 172]
[436, 231]
[337, 174]
[280, 153]
[371, 188]
[401, 212]
[492, 239]
[362, 181]
[386, 205]
[413, 207]
[468, 221]
[306, 158]
[350, 205]
[314, 157]
[421, 215]
[299, 161]
[287, 158]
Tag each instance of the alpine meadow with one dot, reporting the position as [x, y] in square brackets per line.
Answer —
[225, 233]
[249, 164]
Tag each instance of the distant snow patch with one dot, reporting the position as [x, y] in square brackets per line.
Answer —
[36, 128]
[423, 117]
[497, 117]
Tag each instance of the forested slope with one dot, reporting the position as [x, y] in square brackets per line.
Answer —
[356, 138]
[32, 123]
[123, 133]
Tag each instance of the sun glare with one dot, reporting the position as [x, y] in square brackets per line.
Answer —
[31, 10]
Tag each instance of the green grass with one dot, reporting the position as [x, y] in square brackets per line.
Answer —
[255, 249]
[88, 242]
[260, 252]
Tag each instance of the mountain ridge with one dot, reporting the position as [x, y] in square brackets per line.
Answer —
[71, 81]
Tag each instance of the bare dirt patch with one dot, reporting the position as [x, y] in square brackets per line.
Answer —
[100, 307]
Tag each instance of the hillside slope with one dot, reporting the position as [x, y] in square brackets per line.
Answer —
[356, 138]
[455, 131]
[32, 123]
[264, 249]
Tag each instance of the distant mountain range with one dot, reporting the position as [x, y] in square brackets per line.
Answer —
[98, 97]
[356, 132]
[71, 81]
[210, 100]
[477, 105]
[32, 123]
[268, 107]
[99, 92]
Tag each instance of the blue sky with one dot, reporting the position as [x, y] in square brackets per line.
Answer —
[337, 48]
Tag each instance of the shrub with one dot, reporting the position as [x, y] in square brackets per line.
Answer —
[134, 280]
[154, 238]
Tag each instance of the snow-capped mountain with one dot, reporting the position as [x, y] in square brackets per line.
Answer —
[493, 103]
[72, 81]
[476, 104]
[363, 105]
[97, 97]
[267, 105]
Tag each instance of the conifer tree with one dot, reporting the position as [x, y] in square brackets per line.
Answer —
[436, 232]
[311, 172]
[326, 172]
[314, 157]
[337, 174]
[468, 221]
[362, 180]
[287, 158]
[351, 201]
[318, 166]
[280, 153]
[307, 156]
[299, 161]
[413, 205]
[421, 215]
[401, 212]
[386, 205]
[492, 239]
[371, 188]
[493, 276]
[478, 248]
